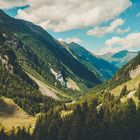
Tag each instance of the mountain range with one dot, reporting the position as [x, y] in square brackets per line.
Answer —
[102, 68]
[120, 58]
[51, 90]
[38, 52]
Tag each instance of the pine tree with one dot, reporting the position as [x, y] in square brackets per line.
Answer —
[124, 91]
[76, 126]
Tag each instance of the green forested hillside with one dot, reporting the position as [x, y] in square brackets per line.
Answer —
[41, 52]
[103, 69]
[15, 84]
[103, 118]
[100, 115]
[123, 75]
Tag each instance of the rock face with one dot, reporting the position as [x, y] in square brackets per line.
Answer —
[69, 83]
[134, 73]
[59, 77]
[72, 85]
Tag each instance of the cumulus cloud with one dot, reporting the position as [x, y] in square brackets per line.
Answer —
[130, 42]
[7, 4]
[113, 27]
[70, 40]
[122, 31]
[65, 15]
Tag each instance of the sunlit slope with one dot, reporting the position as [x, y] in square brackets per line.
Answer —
[11, 115]
[131, 86]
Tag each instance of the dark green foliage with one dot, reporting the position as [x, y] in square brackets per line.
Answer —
[124, 91]
[21, 134]
[100, 67]
[41, 52]
[15, 84]
[113, 120]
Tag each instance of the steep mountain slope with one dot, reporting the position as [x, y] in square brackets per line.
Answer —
[17, 85]
[113, 113]
[42, 53]
[127, 72]
[120, 58]
[103, 69]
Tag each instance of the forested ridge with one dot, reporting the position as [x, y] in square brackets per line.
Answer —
[15, 84]
[42, 53]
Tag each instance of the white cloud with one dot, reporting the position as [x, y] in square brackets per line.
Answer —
[70, 40]
[122, 31]
[64, 15]
[113, 27]
[130, 42]
[138, 14]
[12, 3]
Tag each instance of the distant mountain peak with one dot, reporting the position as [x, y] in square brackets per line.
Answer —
[120, 54]
[120, 58]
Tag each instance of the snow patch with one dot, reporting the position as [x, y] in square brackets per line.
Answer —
[69, 84]
[59, 77]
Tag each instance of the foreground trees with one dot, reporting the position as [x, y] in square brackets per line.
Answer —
[95, 120]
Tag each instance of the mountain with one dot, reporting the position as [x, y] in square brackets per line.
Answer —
[103, 69]
[33, 66]
[38, 53]
[120, 58]
[105, 115]
[127, 72]
[17, 85]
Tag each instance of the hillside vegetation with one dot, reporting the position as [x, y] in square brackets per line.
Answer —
[11, 115]
[17, 85]
[103, 69]
[38, 50]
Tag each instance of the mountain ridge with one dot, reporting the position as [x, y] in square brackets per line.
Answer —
[34, 36]
[99, 66]
[119, 58]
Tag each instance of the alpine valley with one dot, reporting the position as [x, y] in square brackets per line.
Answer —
[54, 90]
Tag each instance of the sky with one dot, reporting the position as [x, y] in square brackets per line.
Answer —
[101, 26]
